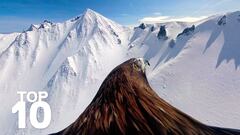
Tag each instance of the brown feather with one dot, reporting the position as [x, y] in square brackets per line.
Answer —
[126, 105]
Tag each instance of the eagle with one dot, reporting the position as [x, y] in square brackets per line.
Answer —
[125, 104]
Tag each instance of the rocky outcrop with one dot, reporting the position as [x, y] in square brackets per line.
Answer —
[152, 29]
[142, 26]
[162, 34]
[222, 20]
[32, 27]
[172, 43]
[187, 31]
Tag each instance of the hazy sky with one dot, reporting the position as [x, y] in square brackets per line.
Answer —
[17, 15]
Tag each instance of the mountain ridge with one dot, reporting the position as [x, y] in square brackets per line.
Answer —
[70, 60]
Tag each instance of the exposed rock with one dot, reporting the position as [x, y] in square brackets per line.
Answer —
[114, 33]
[41, 26]
[119, 41]
[162, 34]
[142, 26]
[32, 27]
[222, 20]
[46, 21]
[187, 31]
[152, 29]
[76, 18]
[66, 70]
[172, 43]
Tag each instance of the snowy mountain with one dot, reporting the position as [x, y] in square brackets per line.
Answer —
[205, 73]
[197, 72]
[6, 40]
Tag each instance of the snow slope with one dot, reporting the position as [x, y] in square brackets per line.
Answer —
[199, 74]
[203, 79]
[36, 56]
[6, 40]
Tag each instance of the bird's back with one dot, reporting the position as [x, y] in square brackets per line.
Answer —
[126, 105]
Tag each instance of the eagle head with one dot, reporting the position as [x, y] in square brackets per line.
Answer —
[140, 64]
[137, 65]
[134, 69]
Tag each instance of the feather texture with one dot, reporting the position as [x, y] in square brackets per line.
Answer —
[126, 105]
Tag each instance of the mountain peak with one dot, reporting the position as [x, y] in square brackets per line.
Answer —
[89, 12]
[90, 15]
[94, 18]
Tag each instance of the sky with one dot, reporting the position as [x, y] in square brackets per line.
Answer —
[18, 15]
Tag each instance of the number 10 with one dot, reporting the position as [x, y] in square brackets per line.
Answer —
[20, 107]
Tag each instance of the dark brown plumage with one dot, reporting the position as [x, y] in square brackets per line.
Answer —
[126, 105]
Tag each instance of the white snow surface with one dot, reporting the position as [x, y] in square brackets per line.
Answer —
[199, 75]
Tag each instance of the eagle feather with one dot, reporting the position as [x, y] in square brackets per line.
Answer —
[126, 105]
